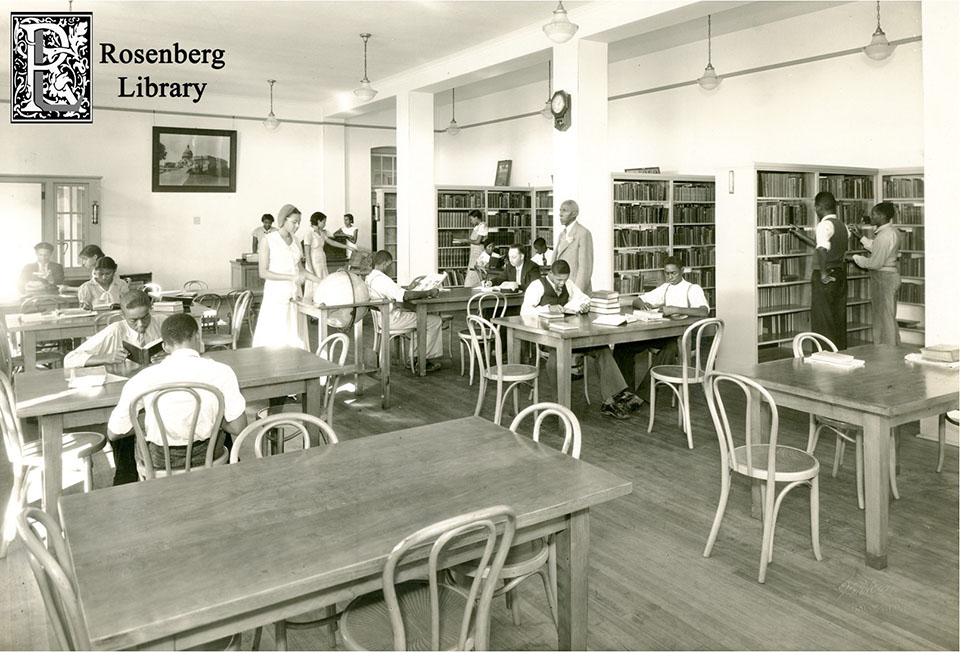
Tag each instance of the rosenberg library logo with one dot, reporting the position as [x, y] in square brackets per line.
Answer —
[50, 67]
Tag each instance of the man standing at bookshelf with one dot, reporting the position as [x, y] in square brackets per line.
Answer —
[575, 245]
[828, 280]
[881, 265]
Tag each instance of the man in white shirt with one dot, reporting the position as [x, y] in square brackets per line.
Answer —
[181, 339]
[557, 293]
[266, 226]
[383, 287]
[675, 297]
[138, 326]
[881, 265]
[105, 288]
[542, 255]
[520, 270]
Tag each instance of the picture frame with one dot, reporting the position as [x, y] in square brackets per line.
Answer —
[503, 173]
[194, 160]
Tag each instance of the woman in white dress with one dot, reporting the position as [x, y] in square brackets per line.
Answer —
[477, 238]
[316, 258]
[279, 323]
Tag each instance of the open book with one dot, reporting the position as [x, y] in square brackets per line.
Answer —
[429, 282]
[144, 354]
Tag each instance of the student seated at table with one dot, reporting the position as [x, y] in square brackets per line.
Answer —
[106, 288]
[138, 326]
[181, 340]
[383, 287]
[542, 256]
[519, 270]
[557, 293]
[675, 297]
[42, 276]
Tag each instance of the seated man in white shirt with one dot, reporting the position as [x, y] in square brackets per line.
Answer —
[181, 340]
[383, 287]
[557, 293]
[105, 288]
[138, 326]
[675, 297]
[542, 256]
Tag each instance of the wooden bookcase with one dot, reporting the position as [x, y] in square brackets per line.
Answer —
[385, 215]
[904, 188]
[658, 215]
[543, 203]
[764, 271]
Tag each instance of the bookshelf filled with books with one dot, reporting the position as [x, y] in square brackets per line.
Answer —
[543, 198]
[659, 215]
[904, 188]
[763, 317]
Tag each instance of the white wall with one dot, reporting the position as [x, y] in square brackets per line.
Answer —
[357, 143]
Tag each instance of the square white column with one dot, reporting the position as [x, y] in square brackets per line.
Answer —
[416, 194]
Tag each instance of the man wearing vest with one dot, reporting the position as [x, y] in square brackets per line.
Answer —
[828, 280]
[557, 293]
[675, 297]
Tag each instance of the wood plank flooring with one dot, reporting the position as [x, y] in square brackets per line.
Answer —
[650, 586]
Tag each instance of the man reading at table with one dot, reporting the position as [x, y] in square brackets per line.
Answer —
[42, 276]
[520, 272]
[138, 326]
[383, 287]
[677, 296]
[181, 340]
[557, 293]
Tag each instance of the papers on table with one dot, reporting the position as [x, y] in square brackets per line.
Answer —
[918, 358]
[86, 377]
[615, 320]
[834, 359]
[648, 315]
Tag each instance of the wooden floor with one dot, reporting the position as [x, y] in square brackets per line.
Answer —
[650, 586]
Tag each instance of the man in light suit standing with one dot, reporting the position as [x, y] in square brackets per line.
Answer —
[575, 245]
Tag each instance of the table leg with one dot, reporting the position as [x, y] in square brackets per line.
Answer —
[312, 401]
[29, 346]
[759, 415]
[876, 487]
[513, 347]
[422, 338]
[385, 355]
[51, 437]
[358, 357]
[573, 551]
[564, 362]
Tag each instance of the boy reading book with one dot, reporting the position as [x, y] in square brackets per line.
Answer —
[138, 327]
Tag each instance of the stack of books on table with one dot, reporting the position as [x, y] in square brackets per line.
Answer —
[564, 325]
[834, 359]
[168, 307]
[941, 353]
[605, 302]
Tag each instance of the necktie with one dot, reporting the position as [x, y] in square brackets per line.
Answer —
[563, 235]
[141, 339]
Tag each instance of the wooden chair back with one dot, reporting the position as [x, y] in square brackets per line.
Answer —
[571, 426]
[105, 319]
[9, 423]
[817, 342]
[691, 347]
[294, 425]
[153, 290]
[241, 306]
[485, 336]
[214, 302]
[54, 573]
[151, 402]
[334, 349]
[195, 286]
[40, 303]
[445, 535]
[494, 303]
[6, 348]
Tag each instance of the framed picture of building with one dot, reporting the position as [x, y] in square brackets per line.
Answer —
[194, 160]
[503, 173]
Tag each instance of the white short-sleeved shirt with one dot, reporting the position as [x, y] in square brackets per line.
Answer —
[824, 232]
[111, 339]
[534, 293]
[177, 408]
[383, 287]
[92, 293]
[480, 231]
[682, 295]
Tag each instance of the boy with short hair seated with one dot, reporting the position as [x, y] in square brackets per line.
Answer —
[181, 340]
[105, 288]
[138, 326]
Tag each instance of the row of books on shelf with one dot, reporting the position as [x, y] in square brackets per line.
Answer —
[903, 187]
[912, 265]
[504, 218]
[545, 219]
[640, 191]
[698, 257]
[641, 237]
[454, 220]
[634, 214]
[788, 295]
[446, 238]
[460, 200]
[912, 239]
[782, 214]
[854, 212]
[453, 257]
[693, 235]
[705, 278]
[849, 187]
[508, 200]
[634, 283]
[771, 243]
[694, 213]
[544, 199]
[639, 260]
[693, 191]
[908, 213]
[454, 276]
[785, 325]
[910, 293]
[783, 270]
[781, 184]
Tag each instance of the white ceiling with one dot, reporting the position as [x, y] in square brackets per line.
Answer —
[314, 51]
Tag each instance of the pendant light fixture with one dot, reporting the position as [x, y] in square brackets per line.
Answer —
[453, 128]
[709, 80]
[271, 122]
[365, 91]
[879, 48]
[560, 29]
[546, 112]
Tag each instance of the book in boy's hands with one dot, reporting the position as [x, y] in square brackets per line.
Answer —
[429, 282]
[142, 355]
[941, 353]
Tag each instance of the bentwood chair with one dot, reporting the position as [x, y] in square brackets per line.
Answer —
[229, 340]
[333, 349]
[495, 306]
[845, 432]
[40, 303]
[508, 377]
[195, 286]
[692, 370]
[768, 462]
[105, 319]
[210, 321]
[11, 361]
[249, 317]
[27, 458]
[54, 573]
[432, 614]
[153, 290]
[403, 335]
[184, 397]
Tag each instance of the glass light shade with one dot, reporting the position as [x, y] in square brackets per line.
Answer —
[709, 80]
[560, 29]
[546, 111]
[453, 128]
[271, 122]
[365, 91]
[879, 48]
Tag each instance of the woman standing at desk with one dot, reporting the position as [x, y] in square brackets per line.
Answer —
[316, 258]
[279, 323]
[477, 237]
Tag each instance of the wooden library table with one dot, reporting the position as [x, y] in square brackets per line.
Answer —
[12, 303]
[31, 333]
[535, 329]
[336, 512]
[262, 373]
[449, 299]
[886, 392]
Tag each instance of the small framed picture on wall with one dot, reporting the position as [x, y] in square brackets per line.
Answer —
[194, 160]
[503, 173]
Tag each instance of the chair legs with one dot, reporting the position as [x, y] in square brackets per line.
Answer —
[13, 510]
[682, 394]
[941, 439]
[721, 508]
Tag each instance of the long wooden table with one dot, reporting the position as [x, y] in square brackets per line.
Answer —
[886, 392]
[536, 330]
[34, 332]
[449, 299]
[178, 561]
[266, 372]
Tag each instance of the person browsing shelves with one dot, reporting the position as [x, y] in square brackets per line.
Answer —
[677, 296]
[477, 241]
[42, 276]
[557, 293]
[138, 327]
[105, 288]
[881, 265]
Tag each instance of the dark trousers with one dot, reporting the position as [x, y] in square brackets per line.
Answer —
[125, 458]
[828, 306]
[625, 355]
